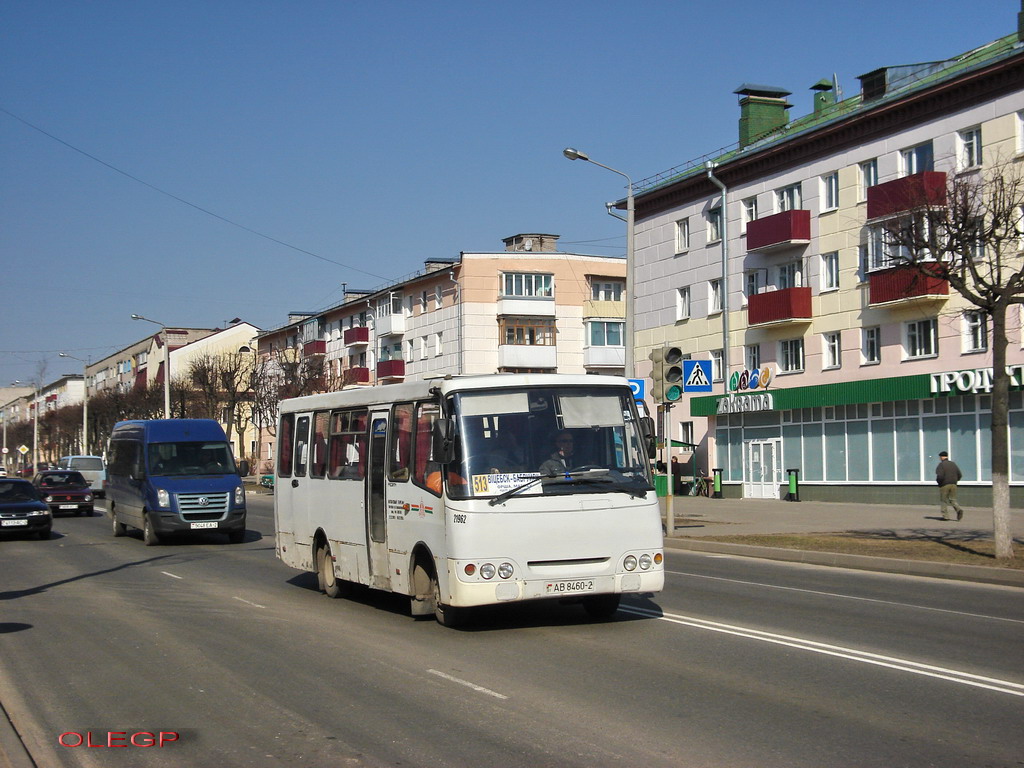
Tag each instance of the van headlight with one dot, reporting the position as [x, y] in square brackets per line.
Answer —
[163, 498]
[239, 496]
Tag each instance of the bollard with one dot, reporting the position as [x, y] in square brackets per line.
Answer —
[794, 485]
[716, 483]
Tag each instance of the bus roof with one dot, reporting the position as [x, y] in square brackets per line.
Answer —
[417, 390]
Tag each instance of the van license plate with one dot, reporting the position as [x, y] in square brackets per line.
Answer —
[203, 525]
[570, 587]
[15, 522]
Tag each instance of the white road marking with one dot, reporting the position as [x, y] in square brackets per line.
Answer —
[249, 602]
[864, 657]
[478, 688]
[847, 597]
[165, 573]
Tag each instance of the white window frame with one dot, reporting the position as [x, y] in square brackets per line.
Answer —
[914, 160]
[717, 365]
[830, 271]
[683, 303]
[753, 283]
[969, 148]
[790, 275]
[438, 343]
[832, 351]
[752, 356]
[748, 213]
[791, 355]
[921, 339]
[868, 177]
[871, 345]
[607, 290]
[604, 332]
[683, 235]
[528, 285]
[830, 191]
[714, 224]
[789, 198]
[715, 304]
[975, 323]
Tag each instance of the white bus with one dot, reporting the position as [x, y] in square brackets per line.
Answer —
[469, 491]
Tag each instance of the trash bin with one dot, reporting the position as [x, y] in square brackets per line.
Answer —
[794, 485]
[661, 485]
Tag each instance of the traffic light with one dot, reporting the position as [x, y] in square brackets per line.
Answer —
[666, 374]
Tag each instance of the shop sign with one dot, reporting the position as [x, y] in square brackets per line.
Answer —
[974, 381]
[742, 381]
[745, 403]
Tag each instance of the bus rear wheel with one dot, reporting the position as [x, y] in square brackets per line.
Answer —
[601, 607]
[329, 583]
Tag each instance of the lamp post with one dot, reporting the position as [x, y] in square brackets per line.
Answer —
[85, 400]
[575, 154]
[35, 426]
[167, 364]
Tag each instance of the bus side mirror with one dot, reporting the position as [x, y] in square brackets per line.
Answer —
[647, 430]
[441, 447]
[243, 468]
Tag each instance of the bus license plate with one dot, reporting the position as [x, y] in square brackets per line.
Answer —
[570, 587]
[15, 522]
[202, 525]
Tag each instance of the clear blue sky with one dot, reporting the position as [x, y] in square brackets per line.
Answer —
[372, 134]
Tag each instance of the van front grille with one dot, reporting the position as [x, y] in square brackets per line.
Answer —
[203, 506]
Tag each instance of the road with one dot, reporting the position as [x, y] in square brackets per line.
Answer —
[740, 662]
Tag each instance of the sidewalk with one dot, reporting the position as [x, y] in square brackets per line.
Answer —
[697, 517]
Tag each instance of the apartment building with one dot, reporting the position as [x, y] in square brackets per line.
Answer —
[139, 363]
[526, 308]
[827, 357]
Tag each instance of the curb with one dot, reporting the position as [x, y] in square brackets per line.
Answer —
[12, 750]
[977, 573]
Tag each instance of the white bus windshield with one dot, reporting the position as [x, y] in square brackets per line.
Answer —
[546, 440]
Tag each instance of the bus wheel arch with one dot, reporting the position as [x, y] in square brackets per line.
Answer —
[326, 578]
[423, 597]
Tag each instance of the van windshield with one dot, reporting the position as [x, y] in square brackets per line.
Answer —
[191, 458]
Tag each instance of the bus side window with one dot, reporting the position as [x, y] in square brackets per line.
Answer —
[285, 434]
[426, 414]
[301, 446]
[347, 450]
[401, 442]
[318, 463]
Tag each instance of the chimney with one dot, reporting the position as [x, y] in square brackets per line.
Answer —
[824, 95]
[531, 243]
[763, 108]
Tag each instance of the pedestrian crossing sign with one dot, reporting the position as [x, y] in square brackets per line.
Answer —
[696, 375]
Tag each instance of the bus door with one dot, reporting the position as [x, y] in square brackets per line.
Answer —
[291, 491]
[376, 502]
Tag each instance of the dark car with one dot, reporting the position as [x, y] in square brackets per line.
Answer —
[65, 491]
[28, 470]
[21, 509]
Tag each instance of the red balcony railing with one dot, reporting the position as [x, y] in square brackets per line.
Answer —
[359, 335]
[779, 306]
[779, 230]
[904, 282]
[391, 369]
[318, 347]
[927, 188]
[356, 376]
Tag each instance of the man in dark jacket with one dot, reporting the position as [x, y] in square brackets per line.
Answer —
[947, 475]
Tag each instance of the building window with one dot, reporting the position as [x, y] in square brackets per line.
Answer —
[390, 352]
[868, 177]
[871, 346]
[683, 303]
[605, 333]
[686, 432]
[714, 225]
[438, 296]
[749, 213]
[527, 331]
[791, 275]
[788, 198]
[752, 282]
[423, 348]
[607, 291]
[833, 351]
[752, 356]
[791, 355]
[424, 300]
[529, 285]
[975, 331]
[714, 296]
[830, 271]
[717, 367]
[969, 142]
[682, 235]
[830, 191]
[922, 338]
[917, 159]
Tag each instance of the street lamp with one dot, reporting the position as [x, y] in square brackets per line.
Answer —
[167, 364]
[575, 154]
[85, 400]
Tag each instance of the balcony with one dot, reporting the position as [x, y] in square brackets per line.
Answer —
[906, 283]
[391, 369]
[604, 357]
[780, 230]
[526, 356]
[318, 347]
[357, 337]
[390, 325]
[356, 376]
[783, 306]
[526, 306]
[922, 189]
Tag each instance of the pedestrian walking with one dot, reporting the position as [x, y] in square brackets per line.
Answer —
[947, 475]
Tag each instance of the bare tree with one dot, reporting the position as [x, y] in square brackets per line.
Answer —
[970, 234]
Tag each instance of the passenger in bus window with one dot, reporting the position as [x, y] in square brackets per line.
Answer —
[561, 460]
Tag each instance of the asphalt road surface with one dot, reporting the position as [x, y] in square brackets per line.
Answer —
[739, 662]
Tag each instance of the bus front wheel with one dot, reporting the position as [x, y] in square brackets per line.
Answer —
[446, 615]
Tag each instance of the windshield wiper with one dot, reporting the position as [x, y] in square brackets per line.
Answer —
[595, 474]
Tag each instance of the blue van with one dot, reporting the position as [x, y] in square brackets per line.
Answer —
[174, 476]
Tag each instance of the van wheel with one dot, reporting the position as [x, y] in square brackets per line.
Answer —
[601, 607]
[149, 536]
[325, 572]
[446, 615]
[117, 528]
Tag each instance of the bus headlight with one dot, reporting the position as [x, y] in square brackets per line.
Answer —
[505, 570]
[645, 562]
[629, 563]
[487, 571]
[163, 498]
